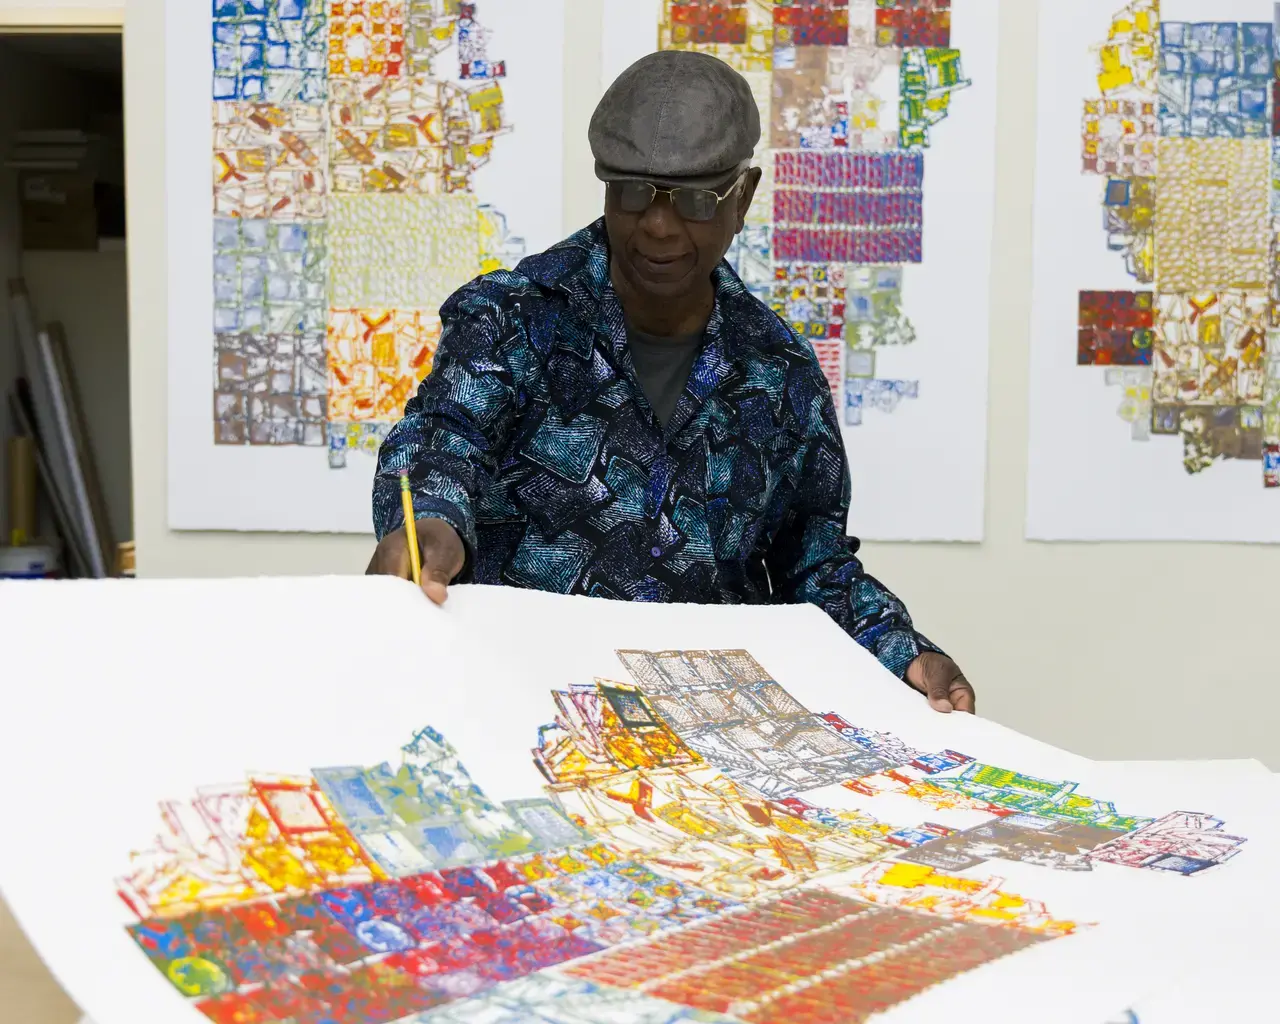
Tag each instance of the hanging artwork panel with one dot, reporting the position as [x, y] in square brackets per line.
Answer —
[870, 233]
[1155, 365]
[335, 169]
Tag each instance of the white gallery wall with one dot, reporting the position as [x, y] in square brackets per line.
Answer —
[1112, 650]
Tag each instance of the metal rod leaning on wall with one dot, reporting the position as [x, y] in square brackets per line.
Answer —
[65, 437]
[65, 376]
[77, 563]
[52, 422]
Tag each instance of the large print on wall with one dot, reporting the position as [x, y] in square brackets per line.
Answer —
[364, 159]
[871, 230]
[1155, 383]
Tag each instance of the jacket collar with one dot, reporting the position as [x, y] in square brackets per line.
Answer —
[578, 268]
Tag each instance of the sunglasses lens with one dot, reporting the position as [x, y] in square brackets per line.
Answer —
[695, 203]
[633, 196]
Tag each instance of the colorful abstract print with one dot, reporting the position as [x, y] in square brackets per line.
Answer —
[1184, 139]
[850, 92]
[670, 871]
[346, 135]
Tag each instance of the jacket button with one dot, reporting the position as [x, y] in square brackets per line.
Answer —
[656, 552]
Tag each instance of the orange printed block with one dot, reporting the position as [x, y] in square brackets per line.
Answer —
[366, 38]
[376, 359]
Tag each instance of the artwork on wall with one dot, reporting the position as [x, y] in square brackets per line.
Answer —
[1155, 393]
[368, 157]
[870, 232]
[564, 829]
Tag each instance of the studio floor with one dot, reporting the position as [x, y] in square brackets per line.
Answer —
[28, 993]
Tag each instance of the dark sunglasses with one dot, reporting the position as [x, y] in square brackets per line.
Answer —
[695, 204]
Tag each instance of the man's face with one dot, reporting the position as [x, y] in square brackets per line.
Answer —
[662, 255]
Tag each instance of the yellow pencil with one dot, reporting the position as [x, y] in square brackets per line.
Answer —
[410, 528]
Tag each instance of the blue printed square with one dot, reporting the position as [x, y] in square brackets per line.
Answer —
[270, 51]
[1216, 80]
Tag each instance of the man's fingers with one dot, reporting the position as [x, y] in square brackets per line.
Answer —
[937, 683]
[391, 558]
[931, 674]
[941, 681]
[939, 695]
[435, 584]
[440, 549]
[442, 557]
[962, 696]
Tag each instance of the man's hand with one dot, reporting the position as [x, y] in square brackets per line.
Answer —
[442, 557]
[940, 679]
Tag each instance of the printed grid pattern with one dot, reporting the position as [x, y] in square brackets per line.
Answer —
[1183, 137]
[843, 188]
[346, 137]
[663, 877]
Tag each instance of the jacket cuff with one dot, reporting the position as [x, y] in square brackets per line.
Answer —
[925, 644]
[896, 651]
[430, 506]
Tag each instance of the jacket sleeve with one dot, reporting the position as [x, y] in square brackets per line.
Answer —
[456, 426]
[812, 560]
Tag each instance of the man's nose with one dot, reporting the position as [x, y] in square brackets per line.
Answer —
[661, 219]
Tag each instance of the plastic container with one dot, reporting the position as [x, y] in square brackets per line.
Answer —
[30, 562]
[125, 560]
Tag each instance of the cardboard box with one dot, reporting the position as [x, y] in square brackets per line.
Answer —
[58, 210]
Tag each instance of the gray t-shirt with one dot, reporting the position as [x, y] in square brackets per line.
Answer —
[663, 366]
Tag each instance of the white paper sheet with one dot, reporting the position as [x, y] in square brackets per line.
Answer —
[1236, 984]
[1088, 478]
[629, 32]
[292, 488]
[935, 444]
[171, 686]
[1233, 979]
[1241, 989]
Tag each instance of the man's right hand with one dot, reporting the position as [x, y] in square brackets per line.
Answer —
[442, 557]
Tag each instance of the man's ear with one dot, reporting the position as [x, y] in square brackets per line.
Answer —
[749, 186]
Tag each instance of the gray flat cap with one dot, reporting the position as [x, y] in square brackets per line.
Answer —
[675, 117]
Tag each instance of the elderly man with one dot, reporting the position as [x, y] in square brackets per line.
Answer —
[619, 417]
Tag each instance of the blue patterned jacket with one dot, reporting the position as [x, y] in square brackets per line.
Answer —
[533, 439]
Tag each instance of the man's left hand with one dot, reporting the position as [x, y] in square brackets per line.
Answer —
[940, 679]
